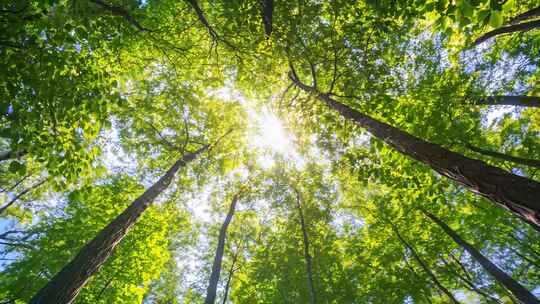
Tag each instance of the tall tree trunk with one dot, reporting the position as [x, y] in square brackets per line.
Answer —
[518, 160]
[518, 100]
[533, 13]
[216, 266]
[229, 278]
[426, 292]
[21, 194]
[267, 10]
[307, 256]
[66, 284]
[520, 27]
[422, 264]
[11, 155]
[520, 292]
[516, 193]
[470, 284]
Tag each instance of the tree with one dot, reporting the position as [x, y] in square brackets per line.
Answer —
[216, 266]
[478, 176]
[92, 256]
[517, 289]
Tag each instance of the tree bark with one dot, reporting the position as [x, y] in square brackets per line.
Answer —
[520, 292]
[66, 284]
[216, 266]
[11, 155]
[21, 194]
[307, 256]
[518, 194]
[267, 10]
[520, 27]
[518, 160]
[422, 264]
[516, 100]
[533, 13]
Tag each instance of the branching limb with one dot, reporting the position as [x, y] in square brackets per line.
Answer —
[520, 27]
[535, 12]
[122, 12]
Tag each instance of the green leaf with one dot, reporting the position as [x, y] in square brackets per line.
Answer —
[508, 6]
[16, 167]
[495, 19]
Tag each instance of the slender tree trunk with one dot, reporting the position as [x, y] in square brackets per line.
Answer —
[426, 291]
[11, 155]
[267, 10]
[519, 101]
[66, 284]
[229, 278]
[21, 194]
[533, 13]
[216, 266]
[307, 256]
[520, 27]
[422, 264]
[518, 160]
[515, 193]
[470, 284]
[520, 292]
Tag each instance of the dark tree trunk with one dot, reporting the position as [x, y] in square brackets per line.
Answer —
[467, 280]
[11, 155]
[66, 284]
[229, 278]
[267, 10]
[520, 292]
[21, 194]
[535, 12]
[422, 264]
[216, 266]
[518, 194]
[520, 27]
[307, 256]
[518, 100]
[518, 160]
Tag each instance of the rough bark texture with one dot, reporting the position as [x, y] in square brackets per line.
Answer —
[66, 284]
[520, 27]
[535, 12]
[216, 266]
[518, 160]
[267, 10]
[11, 155]
[520, 292]
[518, 194]
[515, 100]
[422, 264]
[307, 256]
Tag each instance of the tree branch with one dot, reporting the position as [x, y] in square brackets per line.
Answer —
[122, 12]
[520, 27]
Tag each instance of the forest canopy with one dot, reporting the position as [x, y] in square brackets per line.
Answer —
[265, 151]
